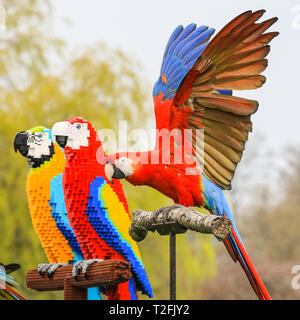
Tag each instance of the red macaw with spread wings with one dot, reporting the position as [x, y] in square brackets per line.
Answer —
[194, 92]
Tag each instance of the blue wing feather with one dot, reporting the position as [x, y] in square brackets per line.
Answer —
[59, 214]
[173, 37]
[99, 219]
[183, 35]
[193, 55]
[192, 37]
[183, 49]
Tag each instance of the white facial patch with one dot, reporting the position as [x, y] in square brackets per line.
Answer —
[39, 145]
[77, 133]
[124, 164]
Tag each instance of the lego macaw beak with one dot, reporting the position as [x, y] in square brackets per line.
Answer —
[9, 268]
[109, 171]
[60, 133]
[113, 172]
[20, 143]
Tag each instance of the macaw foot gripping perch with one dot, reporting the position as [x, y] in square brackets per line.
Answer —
[98, 274]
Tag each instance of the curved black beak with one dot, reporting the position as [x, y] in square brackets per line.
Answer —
[62, 141]
[20, 143]
[118, 174]
[9, 268]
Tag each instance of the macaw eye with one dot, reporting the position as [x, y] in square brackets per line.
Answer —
[40, 135]
[78, 126]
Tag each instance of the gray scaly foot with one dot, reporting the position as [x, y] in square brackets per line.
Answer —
[81, 266]
[49, 268]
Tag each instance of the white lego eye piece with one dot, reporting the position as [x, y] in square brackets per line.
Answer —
[38, 144]
[78, 135]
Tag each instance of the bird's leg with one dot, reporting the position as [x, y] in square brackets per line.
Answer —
[49, 268]
[81, 266]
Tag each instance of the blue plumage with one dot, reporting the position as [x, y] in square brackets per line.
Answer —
[172, 38]
[191, 40]
[183, 49]
[59, 213]
[98, 217]
[183, 35]
[215, 200]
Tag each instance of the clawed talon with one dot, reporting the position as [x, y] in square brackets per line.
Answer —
[49, 268]
[41, 267]
[81, 266]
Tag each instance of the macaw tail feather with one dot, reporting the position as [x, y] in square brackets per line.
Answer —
[216, 202]
[11, 294]
[8, 283]
[238, 253]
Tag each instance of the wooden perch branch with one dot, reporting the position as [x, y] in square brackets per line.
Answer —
[99, 274]
[177, 219]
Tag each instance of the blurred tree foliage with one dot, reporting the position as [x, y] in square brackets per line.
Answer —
[280, 223]
[101, 85]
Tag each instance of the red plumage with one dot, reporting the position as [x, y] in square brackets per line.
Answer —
[81, 169]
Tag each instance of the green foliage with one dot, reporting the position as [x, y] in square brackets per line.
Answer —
[101, 85]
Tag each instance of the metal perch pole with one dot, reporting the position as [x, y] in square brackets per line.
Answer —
[172, 266]
[171, 229]
[174, 220]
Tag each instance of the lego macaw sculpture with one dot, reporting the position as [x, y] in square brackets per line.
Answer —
[97, 209]
[195, 108]
[8, 286]
[46, 200]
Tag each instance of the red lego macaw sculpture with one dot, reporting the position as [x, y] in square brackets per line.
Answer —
[97, 209]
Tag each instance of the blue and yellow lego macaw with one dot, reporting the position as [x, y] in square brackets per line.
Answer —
[46, 200]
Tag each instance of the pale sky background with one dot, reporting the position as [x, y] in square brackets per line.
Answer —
[141, 29]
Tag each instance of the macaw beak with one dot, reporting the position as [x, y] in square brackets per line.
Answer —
[20, 143]
[109, 171]
[113, 172]
[9, 268]
[60, 133]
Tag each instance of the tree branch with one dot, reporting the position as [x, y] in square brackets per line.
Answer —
[177, 219]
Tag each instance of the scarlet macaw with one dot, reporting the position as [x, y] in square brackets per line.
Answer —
[194, 92]
[97, 209]
[46, 200]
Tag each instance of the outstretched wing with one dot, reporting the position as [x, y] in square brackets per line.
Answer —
[183, 49]
[108, 214]
[233, 60]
